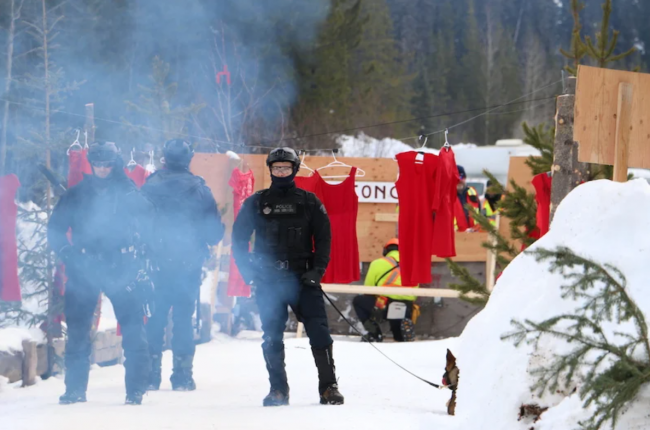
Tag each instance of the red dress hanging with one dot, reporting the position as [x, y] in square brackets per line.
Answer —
[138, 175]
[415, 191]
[542, 184]
[242, 185]
[78, 165]
[444, 202]
[9, 285]
[342, 205]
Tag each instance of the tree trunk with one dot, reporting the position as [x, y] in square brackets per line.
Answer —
[50, 269]
[15, 15]
[567, 172]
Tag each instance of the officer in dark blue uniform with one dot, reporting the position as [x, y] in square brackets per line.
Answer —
[109, 218]
[187, 222]
[292, 250]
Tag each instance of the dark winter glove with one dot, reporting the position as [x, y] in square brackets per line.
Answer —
[311, 279]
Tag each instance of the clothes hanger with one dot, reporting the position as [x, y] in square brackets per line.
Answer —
[132, 163]
[150, 167]
[419, 158]
[75, 143]
[446, 146]
[303, 165]
[336, 163]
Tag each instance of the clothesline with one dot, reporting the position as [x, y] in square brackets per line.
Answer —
[487, 110]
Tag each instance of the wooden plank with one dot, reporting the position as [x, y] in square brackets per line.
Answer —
[623, 131]
[596, 115]
[386, 217]
[407, 291]
[30, 362]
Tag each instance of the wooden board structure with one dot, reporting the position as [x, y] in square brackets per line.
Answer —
[612, 109]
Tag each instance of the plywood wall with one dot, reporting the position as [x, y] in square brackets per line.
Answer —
[596, 111]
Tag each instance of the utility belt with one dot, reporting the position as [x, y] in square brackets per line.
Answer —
[295, 263]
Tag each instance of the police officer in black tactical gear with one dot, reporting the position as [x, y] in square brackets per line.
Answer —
[187, 222]
[292, 247]
[108, 217]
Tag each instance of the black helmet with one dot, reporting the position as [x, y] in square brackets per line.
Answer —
[178, 153]
[103, 151]
[284, 154]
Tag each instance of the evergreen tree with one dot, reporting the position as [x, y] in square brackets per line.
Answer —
[602, 51]
[613, 366]
[473, 74]
[324, 84]
[157, 116]
[381, 87]
[541, 138]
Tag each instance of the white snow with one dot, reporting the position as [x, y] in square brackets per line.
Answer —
[232, 380]
[603, 221]
[11, 339]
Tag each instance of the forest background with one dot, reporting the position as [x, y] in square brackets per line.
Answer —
[243, 75]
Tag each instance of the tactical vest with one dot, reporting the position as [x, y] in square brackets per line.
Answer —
[282, 229]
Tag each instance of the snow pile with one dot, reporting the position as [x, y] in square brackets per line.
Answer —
[11, 339]
[603, 221]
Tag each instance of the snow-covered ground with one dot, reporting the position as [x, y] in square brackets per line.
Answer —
[232, 380]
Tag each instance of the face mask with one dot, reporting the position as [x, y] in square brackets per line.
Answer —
[285, 182]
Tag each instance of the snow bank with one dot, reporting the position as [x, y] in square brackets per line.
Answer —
[11, 339]
[601, 220]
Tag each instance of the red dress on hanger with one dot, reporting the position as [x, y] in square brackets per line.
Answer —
[242, 185]
[542, 184]
[444, 202]
[78, 165]
[9, 285]
[342, 205]
[415, 191]
[138, 175]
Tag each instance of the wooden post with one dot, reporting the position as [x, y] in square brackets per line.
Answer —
[623, 130]
[30, 362]
[89, 126]
[567, 172]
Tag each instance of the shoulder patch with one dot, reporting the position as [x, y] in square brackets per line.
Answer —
[322, 209]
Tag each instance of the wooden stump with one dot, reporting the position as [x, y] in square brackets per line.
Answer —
[30, 362]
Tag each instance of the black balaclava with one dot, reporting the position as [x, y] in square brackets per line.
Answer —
[286, 182]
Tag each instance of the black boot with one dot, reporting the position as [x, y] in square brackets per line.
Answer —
[134, 398]
[407, 329]
[181, 378]
[374, 332]
[274, 358]
[327, 386]
[276, 398]
[155, 374]
[71, 397]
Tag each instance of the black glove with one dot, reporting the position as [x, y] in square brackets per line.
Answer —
[311, 279]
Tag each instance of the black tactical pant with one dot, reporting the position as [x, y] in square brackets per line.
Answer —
[275, 293]
[176, 289]
[365, 304]
[80, 302]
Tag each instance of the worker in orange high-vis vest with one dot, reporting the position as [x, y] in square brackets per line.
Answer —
[463, 221]
[372, 310]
